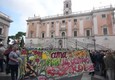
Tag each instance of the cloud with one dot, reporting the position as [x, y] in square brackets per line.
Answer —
[23, 9]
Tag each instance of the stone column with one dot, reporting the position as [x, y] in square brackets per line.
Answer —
[95, 25]
[69, 28]
[47, 30]
[57, 29]
[81, 28]
[37, 29]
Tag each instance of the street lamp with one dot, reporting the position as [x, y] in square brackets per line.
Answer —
[76, 44]
[94, 40]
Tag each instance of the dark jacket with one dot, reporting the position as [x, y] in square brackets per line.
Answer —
[109, 62]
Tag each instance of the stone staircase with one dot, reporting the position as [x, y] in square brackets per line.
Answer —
[72, 44]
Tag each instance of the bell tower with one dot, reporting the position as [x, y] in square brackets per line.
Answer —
[67, 7]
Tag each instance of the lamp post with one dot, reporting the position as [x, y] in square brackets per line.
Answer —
[76, 44]
[94, 40]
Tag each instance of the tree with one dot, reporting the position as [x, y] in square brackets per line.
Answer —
[18, 37]
[12, 37]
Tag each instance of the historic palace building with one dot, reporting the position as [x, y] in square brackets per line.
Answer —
[94, 29]
[4, 28]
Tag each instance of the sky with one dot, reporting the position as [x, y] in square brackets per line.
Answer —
[20, 10]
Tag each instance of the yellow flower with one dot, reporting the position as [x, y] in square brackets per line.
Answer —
[44, 56]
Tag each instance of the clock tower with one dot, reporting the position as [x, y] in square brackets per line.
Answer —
[67, 7]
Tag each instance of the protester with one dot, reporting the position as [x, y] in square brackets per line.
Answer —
[92, 56]
[2, 49]
[102, 64]
[13, 62]
[110, 65]
[113, 54]
[6, 53]
[18, 51]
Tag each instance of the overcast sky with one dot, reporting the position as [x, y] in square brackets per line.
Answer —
[20, 10]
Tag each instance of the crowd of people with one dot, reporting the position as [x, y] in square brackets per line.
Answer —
[103, 60]
[104, 63]
[10, 57]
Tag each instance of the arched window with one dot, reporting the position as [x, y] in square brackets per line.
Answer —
[75, 33]
[63, 34]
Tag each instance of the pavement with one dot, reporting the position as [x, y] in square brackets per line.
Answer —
[84, 76]
[3, 76]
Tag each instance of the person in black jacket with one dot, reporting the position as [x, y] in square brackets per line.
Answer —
[92, 56]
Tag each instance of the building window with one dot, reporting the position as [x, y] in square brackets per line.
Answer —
[0, 31]
[67, 12]
[66, 5]
[75, 33]
[63, 22]
[52, 24]
[32, 24]
[105, 32]
[43, 35]
[52, 34]
[60, 42]
[103, 15]
[75, 21]
[63, 34]
[88, 32]
[43, 24]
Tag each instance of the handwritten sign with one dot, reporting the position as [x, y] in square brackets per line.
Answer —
[60, 64]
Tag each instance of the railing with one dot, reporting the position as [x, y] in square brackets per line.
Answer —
[48, 43]
[79, 12]
[35, 17]
[85, 45]
[103, 7]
